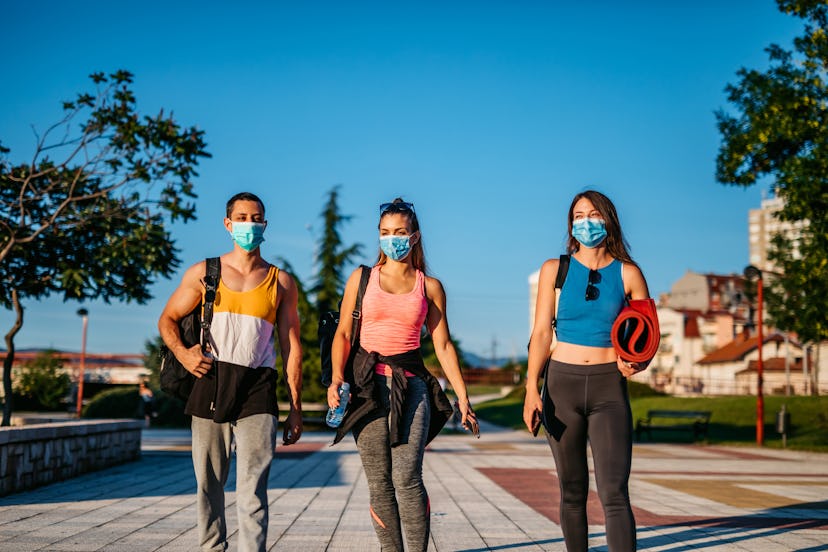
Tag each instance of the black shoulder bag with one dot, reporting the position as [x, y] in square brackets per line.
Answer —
[328, 323]
[193, 328]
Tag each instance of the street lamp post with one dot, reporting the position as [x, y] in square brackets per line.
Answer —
[84, 314]
[753, 273]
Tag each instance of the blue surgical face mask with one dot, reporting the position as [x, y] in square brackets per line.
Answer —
[396, 247]
[248, 235]
[589, 231]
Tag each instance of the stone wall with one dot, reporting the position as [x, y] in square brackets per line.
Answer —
[35, 455]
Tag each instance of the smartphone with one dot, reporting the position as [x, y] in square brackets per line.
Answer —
[536, 423]
[475, 428]
[472, 426]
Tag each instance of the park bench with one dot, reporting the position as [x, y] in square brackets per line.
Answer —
[692, 421]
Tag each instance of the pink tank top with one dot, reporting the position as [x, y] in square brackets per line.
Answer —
[391, 322]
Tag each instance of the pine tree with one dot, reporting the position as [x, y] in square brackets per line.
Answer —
[333, 257]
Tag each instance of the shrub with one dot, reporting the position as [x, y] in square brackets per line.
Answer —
[125, 402]
[120, 402]
[43, 381]
[637, 390]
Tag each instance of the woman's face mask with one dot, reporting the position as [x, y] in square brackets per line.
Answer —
[396, 247]
[589, 231]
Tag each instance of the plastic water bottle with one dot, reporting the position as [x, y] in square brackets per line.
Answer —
[334, 417]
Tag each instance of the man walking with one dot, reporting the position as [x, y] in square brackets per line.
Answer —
[234, 396]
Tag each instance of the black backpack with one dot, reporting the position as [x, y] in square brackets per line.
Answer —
[175, 379]
[329, 321]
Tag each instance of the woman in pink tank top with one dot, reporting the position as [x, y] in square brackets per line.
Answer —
[396, 405]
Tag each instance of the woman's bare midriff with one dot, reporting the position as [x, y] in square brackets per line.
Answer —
[582, 354]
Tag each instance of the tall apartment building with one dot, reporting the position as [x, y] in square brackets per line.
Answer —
[763, 225]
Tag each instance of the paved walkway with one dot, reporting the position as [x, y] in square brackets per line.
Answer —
[496, 493]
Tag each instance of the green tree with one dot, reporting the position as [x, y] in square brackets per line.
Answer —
[87, 216]
[312, 390]
[778, 132]
[333, 256]
[44, 380]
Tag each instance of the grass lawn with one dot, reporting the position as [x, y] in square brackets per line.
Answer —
[733, 421]
[480, 389]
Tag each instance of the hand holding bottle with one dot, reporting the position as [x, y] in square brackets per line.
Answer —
[335, 415]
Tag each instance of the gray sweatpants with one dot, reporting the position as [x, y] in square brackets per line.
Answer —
[255, 439]
[395, 475]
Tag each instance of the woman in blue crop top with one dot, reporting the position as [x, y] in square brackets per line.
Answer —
[587, 398]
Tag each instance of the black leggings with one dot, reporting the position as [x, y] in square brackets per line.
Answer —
[591, 403]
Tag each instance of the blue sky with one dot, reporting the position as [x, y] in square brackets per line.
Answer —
[489, 116]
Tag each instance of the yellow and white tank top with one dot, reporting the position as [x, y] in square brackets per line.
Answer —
[244, 322]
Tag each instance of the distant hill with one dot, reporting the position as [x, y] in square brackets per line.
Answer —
[486, 362]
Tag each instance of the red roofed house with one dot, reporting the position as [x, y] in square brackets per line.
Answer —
[732, 369]
[702, 313]
[704, 348]
[776, 374]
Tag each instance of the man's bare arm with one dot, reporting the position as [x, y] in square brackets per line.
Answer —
[183, 300]
[287, 321]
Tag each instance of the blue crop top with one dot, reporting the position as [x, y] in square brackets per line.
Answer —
[589, 323]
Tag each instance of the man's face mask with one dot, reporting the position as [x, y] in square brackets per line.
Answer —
[248, 235]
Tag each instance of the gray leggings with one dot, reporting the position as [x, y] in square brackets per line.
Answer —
[591, 403]
[395, 475]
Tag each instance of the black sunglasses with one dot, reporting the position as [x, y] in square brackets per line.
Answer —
[398, 207]
[593, 292]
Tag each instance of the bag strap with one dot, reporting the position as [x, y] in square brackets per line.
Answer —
[560, 278]
[563, 268]
[357, 314]
[211, 280]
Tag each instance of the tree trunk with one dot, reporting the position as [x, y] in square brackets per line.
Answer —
[9, 360]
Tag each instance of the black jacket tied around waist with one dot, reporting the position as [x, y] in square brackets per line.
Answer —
[364, 400]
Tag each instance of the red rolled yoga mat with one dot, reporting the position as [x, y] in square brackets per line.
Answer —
[635, 333]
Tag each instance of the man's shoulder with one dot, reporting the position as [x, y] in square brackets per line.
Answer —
[200, 266]
[284, 277]
[194, 273]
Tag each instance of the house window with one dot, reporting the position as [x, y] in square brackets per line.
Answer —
[708, 342]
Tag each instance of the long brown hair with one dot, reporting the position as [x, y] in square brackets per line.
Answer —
[417, 255]
[615, 242]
